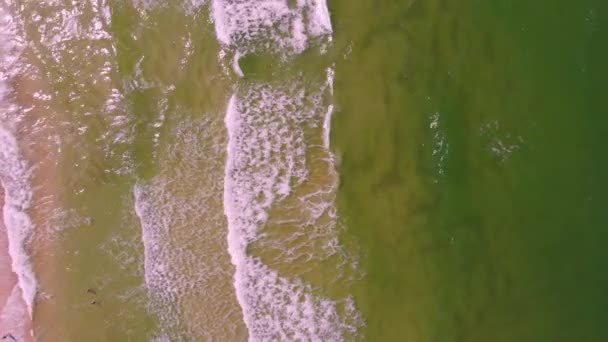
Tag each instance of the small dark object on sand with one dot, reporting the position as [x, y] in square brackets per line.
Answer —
[9, 335]
[94, 302]
[91, 291]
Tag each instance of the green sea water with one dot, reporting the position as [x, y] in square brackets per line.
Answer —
[469, 146]
[471, 139]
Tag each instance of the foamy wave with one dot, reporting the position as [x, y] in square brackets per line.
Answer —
[182, 225]
[70, 57]
[15, 175]
[270, 24]
[266, 163]
[190, 6]
[157, 274]
[330, 109]
[71, 26]
[14, 314]
[14, 171]
[10, 44]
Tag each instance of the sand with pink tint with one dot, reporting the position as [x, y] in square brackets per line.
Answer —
[14, 317]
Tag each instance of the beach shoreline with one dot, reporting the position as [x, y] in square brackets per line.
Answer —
[14, 316]
[28, 166]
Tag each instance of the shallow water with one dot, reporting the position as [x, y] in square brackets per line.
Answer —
[472, 170]
[232, 170]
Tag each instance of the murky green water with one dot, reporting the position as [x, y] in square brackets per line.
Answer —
[469, 148]
[473, 172]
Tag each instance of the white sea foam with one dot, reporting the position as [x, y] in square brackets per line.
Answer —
[154, 227]
[320, 22]
[330, 109]
[441, 145]
[190, 6]
[14, 314]
[71, 71]
[266, 162]
[500, 142]
[236, 67]
[182, 226]
[14, 171]
[270, 24]
[15, 176]
[327, 126]
[278, 200]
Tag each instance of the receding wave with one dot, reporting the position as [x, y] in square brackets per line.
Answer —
[272, 25]
[187, 267]
[267, 168]
[15, 173]
[280, 182]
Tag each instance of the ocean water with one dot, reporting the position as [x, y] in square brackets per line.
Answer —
[303, 170]
[470, 135]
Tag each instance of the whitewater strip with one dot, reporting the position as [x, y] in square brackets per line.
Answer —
[270, 25]
[187, 268]
[265, 159]
[266, 164]
[15, 174]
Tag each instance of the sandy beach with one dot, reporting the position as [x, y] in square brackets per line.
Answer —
[14, 318]
[34, 132]
[29, 174]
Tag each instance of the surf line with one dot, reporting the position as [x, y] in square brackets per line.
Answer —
[264, 158]
[15, 171]
[14, 177]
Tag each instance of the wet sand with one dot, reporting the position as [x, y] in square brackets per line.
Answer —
[14, 318]
[33, 132]
[44, 159]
